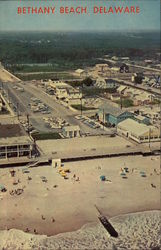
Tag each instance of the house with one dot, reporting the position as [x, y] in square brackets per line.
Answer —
[137, 131]
[105, 83]
[114, 58]
[125, 58]
[101, 67]
[100, 83]
[113, 115]
[71, 131]
[115, 69]
[124, 68]
[111, 84]
[143, 99]
[115, 97]
[121, 89]
[74, 96]
[81, 73]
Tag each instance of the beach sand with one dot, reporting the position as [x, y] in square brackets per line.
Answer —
[71, 203]
[136, 231]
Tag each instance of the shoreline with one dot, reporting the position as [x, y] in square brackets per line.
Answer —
[73, 227]
[139, 230]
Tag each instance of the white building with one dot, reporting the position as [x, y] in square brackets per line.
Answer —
[74, 96]
[71, 131]
[138, 132]
[81, 73]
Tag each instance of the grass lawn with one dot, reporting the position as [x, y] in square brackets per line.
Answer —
[45, 136]
[125, 103]
[78, 107]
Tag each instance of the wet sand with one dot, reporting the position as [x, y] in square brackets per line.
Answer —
[137, 231]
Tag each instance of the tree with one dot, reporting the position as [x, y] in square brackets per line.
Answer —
[88, 81]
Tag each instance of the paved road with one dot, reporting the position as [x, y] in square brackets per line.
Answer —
[57, 109]
[143, 67]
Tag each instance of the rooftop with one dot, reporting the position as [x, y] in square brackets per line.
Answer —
[11, 130]
[109, 109]
[71, 128]
[15, 140]
[79, 71]
[135, 127]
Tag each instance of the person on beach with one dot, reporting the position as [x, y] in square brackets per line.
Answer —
[42, 217]
[52, 219]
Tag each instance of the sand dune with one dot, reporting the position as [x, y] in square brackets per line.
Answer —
[136, 231]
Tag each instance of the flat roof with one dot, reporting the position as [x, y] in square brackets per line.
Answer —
[11, 130]
[71, 128]
[135, 127]
[9, 141]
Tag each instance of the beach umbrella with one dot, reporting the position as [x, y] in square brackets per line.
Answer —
[103, 177]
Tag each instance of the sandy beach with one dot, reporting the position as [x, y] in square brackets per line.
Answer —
[60, 205]
[137, 231]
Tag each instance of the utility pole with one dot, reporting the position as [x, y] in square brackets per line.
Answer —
[149, 136]
[103, 119]
[121, 100]
[17, 110]
[81, 99]
[28, 123]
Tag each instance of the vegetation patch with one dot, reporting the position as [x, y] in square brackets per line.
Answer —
[45, 136]
[79, 107]
[126, 102]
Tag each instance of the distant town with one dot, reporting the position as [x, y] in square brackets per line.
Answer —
[117, 98]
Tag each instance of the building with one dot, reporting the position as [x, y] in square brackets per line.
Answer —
[121, 89]
[105, 83]
[138, 132]
[74, 96]
[71, 131]
[124, 68]
[115, 69]
[14, 142]
[111, 84]
[100, 83]
[81, 73]
[113, 115]
[101, 67]
[115, 97]
[142, 119]
[67, 93]
[143, 99]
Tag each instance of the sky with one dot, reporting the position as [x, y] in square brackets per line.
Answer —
[147, 19]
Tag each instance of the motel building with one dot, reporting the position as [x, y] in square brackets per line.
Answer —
[137, 131]
[14, 142]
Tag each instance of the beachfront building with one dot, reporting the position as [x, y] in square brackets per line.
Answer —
[138, 132]
[71, 131]
[14, 142]
[113, 115]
